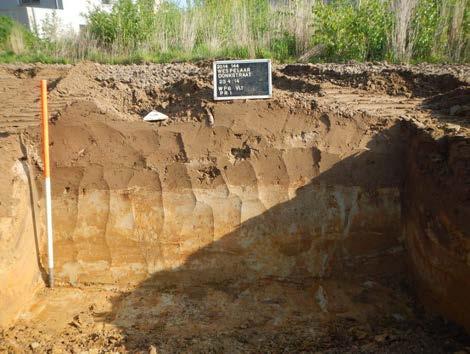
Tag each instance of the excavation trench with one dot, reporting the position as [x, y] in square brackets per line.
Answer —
[245, 234]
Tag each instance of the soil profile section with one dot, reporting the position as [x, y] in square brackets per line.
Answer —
[320, 193]
[131, 200]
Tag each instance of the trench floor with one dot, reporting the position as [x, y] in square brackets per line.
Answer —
[266, 316]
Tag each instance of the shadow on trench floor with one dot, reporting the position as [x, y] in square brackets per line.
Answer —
[268, 316]
[271, 316]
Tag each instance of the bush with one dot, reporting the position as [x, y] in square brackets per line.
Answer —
[128, 25]
[437, 30]
[424, 26]
[284, 47]
[349, 31]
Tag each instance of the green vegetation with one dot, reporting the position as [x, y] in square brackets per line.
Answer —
[14, 38]
[350, 31]
[308, 30]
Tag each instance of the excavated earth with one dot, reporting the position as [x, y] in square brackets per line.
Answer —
[332, 218]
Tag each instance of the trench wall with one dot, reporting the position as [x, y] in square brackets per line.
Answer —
[124, 236]
[20, 274]
[282, 195]
[436, 219]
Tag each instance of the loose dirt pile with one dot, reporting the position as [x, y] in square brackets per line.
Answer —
[282, 225]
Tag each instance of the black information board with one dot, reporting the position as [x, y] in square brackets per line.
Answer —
[242, 79]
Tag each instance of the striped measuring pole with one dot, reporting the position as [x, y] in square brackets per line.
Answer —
[47, 181]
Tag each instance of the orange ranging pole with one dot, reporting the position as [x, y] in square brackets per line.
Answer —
[47, 180]
[45, 128]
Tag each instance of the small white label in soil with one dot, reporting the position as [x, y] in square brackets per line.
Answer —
[155, 116]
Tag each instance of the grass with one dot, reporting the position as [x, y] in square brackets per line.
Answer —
[286, 31]
[14, 38]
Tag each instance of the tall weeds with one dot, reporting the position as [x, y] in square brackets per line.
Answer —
[403, 35]
[14, 38]
[286, 30]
